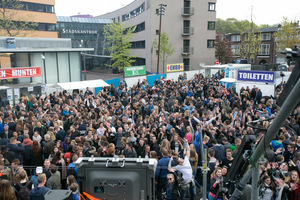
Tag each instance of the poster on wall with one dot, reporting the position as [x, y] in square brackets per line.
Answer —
[175, 67]
[43, 90]
[17, 93]
[9, 94]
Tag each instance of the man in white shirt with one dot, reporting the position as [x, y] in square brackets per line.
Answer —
[185, 168]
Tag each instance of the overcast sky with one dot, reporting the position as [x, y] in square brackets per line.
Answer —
[264, 11]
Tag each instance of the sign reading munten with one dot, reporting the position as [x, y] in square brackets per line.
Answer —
[135, 71]
[256, 76]
[175, 67]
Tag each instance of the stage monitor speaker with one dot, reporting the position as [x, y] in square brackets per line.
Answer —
[58, 195]
[117, 178]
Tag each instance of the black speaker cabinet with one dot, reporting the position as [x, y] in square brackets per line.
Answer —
[58, 195]
[117, 179]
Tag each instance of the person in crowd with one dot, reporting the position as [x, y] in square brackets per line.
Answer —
[6, 191]
[172, 191]
[24, 186]
[16, 147]
[185, 168]
[54, 182]
[74, 188]
[294, 185]
[38, 193]
[266, 188]
[216, 182]
[161, 172]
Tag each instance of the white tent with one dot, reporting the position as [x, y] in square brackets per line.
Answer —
[81, 84]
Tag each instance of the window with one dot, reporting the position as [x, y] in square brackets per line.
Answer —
[211, 26]
[186, 27]
[265, 36]
[235, 38]
[211, 6]
[138, 45]
[186, 64]
[264, 49]
[42, 27]
[235, 49]
[134, 13]
[140, 27]
[210, 43]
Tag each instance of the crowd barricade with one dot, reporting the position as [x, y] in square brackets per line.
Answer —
[115, 82]
[152, 78]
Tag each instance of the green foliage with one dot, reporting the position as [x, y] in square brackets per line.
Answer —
[232, 25]
[288, 35]
[11, 23]
[166, 47]
[118, 43]
[250, 41]
[223, 50]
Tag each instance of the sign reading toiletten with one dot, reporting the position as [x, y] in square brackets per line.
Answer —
[256, 76]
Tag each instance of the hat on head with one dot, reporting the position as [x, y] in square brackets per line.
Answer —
[39, 170]
[6, 125]
[4, 148]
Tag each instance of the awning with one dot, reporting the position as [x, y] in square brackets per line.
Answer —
[81, 84]
[228, 80]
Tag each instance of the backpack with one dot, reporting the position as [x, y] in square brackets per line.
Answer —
[72, 171]
[24, 191]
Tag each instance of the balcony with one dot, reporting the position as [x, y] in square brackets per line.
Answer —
[187, 11]
[187, 51]
[187, 31]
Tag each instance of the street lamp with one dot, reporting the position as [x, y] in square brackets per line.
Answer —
[160, 11]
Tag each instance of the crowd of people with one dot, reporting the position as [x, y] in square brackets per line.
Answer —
[42, 137]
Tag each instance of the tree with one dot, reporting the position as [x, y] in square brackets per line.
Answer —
[287, 35]
[118, 43]
[250, 43]
[166, 48]
[232, 25]
[223, 50]
[12, 22]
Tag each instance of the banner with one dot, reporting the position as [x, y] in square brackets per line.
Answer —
[175, 67]
[135, 71]
[256, 76]
[23, 72]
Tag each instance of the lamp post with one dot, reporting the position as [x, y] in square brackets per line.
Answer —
[160, 11]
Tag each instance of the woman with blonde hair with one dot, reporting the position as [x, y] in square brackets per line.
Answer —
[294, 185]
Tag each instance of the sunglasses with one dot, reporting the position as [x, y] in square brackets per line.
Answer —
[170, 179]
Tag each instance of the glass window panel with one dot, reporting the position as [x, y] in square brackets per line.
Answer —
[63, 67]
[36, 61]
[75, 66]
[51, 68]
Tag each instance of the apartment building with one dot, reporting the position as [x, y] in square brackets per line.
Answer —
[40, 12]
[190, 26]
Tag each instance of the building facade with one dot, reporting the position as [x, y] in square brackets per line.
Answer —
[40, 12]
[190, 26]
[86, 32]
[58, 61]
[267, 53]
